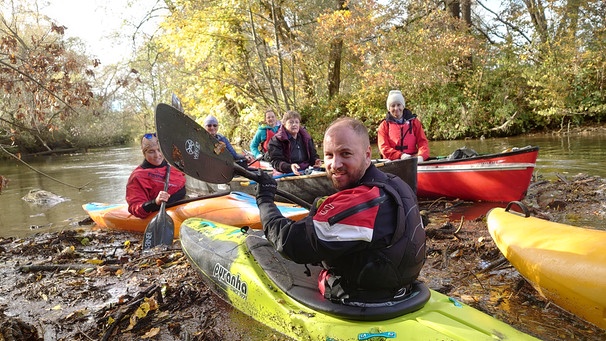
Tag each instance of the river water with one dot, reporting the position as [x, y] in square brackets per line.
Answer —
[103, 173]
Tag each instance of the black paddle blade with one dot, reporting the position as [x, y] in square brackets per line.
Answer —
[159, 231]
[190, 148]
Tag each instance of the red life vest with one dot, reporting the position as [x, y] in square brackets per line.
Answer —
[269, 133]
[407, 141]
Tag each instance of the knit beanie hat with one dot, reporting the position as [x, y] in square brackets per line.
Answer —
[395, 96]
[210, 119]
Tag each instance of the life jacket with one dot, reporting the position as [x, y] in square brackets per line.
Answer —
[269, 133]
[407, 142]
[399, 263]
[409, 234]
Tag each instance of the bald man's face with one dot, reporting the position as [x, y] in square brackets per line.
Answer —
[347, 155]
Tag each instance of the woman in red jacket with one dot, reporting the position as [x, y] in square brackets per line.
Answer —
[145, 187]
[401, 134]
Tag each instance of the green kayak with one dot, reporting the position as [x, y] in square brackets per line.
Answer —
[243, 268]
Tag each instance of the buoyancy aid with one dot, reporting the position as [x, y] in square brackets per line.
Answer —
[269, 133]
[407, 141]
[409, 235]
[392, 267]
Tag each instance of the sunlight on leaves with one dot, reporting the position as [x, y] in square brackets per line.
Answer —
[148, 304]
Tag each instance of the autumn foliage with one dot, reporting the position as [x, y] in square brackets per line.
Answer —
[44, 85]
[466, 69]
[463, 75]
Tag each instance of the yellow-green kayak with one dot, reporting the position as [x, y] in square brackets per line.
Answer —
[243, 268]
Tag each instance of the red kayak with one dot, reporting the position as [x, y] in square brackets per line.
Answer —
[499, 177]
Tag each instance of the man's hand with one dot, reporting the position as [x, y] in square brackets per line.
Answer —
[266, 185]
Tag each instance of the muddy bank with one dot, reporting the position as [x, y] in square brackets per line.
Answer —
[86, 284]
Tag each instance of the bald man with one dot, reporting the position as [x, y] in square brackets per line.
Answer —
[368, 236]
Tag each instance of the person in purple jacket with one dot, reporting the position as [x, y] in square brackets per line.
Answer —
[292, 149]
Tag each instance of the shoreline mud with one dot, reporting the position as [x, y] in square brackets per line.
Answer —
[91, 284]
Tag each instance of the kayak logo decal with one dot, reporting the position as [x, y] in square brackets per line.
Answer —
[224, 276]
[192, 148]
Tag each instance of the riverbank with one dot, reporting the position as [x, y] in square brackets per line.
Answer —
[87, 284]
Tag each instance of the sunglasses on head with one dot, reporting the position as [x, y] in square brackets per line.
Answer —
[212, 125]
[150, 135]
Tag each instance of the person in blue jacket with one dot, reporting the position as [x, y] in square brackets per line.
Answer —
[259, 145]
[211, 124]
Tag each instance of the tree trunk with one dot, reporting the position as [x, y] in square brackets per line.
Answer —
[280, 61]
[570, 19]
[334, 60]
[536, 10]
[454, 8]
[466, 11]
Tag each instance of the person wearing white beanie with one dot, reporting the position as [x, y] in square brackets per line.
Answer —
[400, 134]
[395, 96]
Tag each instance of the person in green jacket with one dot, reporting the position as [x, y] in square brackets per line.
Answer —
[260, 142]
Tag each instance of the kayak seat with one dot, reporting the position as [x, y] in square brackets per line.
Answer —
[301, 284]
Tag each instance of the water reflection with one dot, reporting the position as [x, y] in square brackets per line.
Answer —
[103, 174]
[569, 155]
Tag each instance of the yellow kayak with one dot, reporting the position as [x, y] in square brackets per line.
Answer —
[566, 264]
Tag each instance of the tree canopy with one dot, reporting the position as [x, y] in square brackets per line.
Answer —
[466, 69]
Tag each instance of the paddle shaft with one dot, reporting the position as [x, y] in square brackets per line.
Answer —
[156, 225]
[252, 176]
[201, 197]
[166, 182]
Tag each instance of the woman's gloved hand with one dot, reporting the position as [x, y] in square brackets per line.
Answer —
[405, 156]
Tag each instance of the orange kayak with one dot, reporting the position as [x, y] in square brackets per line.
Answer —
[235, 208]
